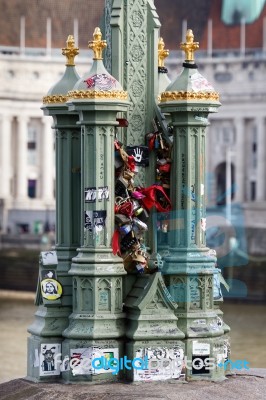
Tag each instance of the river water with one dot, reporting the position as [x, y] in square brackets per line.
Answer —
[247, 322]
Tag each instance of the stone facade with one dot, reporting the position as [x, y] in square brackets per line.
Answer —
[27, 162]
[236, 134]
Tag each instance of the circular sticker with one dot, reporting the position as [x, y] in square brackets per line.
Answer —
[51, 289]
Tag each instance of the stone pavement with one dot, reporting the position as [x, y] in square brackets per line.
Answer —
[246, 385]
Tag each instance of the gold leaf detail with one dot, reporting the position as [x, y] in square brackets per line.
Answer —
[57, 98]
[97, 94]
[182, 95]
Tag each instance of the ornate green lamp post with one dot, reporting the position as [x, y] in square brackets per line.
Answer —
[190, 265]
[51, 317]
[88, 307]
[96, 324]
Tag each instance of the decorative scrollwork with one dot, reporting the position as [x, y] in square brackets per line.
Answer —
[182, 95]
[97, 94]
[56, 98]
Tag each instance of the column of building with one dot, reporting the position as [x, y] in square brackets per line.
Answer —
[21, 161]
[239, 158]
[5, 188]
[261, 153]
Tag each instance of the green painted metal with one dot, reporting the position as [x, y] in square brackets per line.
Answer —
[151, 326]
[51, 318]
[97, 316]
[189, 266]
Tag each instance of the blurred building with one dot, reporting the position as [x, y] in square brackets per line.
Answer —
[27, 156]
[27, 162]
[232, 57]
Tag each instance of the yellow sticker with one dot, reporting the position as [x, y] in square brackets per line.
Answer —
[51, 289]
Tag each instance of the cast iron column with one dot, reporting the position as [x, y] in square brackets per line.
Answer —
[52, 315]
[190, 265]
[96, 325]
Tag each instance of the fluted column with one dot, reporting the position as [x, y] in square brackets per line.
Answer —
[239, 160]
[47, 161]
[260, 122]
[5, 156]
[21, 183]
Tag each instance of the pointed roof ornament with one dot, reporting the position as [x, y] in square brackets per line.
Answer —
[58, 92]
[97, 83]
[190, 85]
[162, 53]
[70, 51]
[97, 44]
[189, 47]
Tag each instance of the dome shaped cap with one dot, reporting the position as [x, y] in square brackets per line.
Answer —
[58, 92]
[189, 84]
[97, 83]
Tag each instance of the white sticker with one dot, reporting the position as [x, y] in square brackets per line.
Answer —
[103, 193]
[220, 358]
[50, 359]
[199, 83]
[49, 257]
[36, 358]
[225, 351]
[203, 224]
[81, 361]
[65, 364]
[159, 364]
[202, 189]
[200, 349]
[202, 119]
[199, 321]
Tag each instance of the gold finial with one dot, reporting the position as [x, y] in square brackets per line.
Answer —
[162, 53]
[97, 45]
[70, 51]
[190, 46]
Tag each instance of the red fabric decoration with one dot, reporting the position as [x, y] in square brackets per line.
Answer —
[126, 208]
[151, 198]
[151, 142]
[115, 243]
[165, 168]
[123, 122]
[131, 163]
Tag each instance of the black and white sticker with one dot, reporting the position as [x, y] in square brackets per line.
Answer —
[90, 194]
[103, 193]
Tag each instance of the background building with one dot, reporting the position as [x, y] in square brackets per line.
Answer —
[232, 55]
[27, 163]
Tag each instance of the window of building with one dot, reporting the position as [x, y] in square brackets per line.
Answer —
[32, 186]
[222, 186]
[227, 134]
[254, 147]
[223, 76]
[253, 190]
[32, 145]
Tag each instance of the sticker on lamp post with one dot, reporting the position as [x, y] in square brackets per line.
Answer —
[49, 354]
[90, 195]
[51, 289]
[103, 193]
